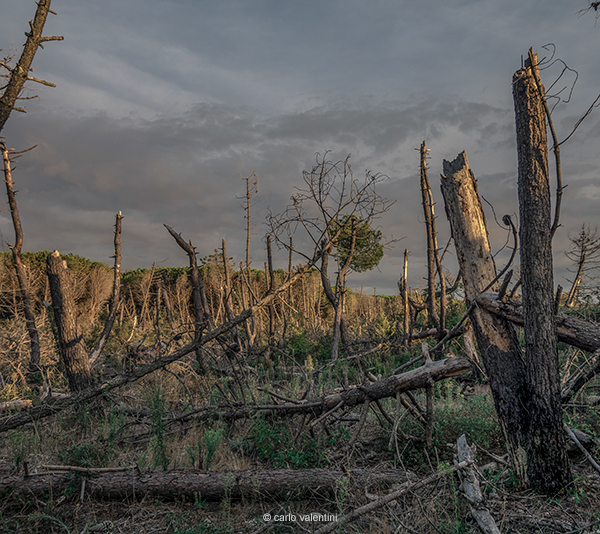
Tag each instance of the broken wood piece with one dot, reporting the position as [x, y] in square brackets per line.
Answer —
[470, 487]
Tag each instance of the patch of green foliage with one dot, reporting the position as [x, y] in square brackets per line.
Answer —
[86, 454]
[276, 445]
[368, 249]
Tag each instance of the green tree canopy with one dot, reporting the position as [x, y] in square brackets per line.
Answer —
[368, 249]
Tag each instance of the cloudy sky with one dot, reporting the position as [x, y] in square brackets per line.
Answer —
[161, 107]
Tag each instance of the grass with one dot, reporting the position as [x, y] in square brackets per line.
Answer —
[134, 426]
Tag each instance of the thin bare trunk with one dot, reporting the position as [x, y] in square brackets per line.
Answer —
[34, 339]
[116, 294]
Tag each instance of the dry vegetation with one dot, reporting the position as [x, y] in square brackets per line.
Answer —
[177, 420]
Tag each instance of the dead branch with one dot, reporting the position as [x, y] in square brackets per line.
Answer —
[358, 512]
[20, 73]
[471, 489]
[569, 329]
[34, 338]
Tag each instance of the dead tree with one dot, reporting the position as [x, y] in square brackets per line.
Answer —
[45, 410]
[34, 339]
[585, 253]
[246, 274]
[336, 212]
[496, 337]
[115, 297]
[433, 258]
[19, 75]
[547, 460]
[73, 353]
[201, 312]
[119, 484]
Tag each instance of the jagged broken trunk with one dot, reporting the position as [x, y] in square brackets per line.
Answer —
[496, 337]
[548, 465]
[73, 353]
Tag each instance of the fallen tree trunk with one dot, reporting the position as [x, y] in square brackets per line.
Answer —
[204, 485]
[576, 332]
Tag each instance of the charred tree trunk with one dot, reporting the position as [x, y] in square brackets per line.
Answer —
[34, 338]
[548, 465]
[496, 337]
[73, 353]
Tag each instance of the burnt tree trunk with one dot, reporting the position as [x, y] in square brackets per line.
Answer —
[427, 202]
[496, 337]
[73, 353]
[548, 465]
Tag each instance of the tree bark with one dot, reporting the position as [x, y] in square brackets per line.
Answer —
[210, 485]
[496, 337]
[548, 465]
[73, 353]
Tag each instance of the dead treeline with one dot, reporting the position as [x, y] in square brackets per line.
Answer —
[273, 392]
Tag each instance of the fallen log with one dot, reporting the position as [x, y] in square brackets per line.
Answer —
[571, 330]
[204, 485]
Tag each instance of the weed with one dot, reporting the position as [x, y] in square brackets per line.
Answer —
[85, 455]
[38, 517]
[157, 404]
[21, 445]
[276, 445]
[212, 440]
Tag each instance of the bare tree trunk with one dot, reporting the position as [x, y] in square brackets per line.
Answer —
[271, 284]
[548, 464]
[407, 334]
[116, 294]
[73, 353]
[20, 73]
[201, 312]
[34, 339]
[431, 240]
[227, 289]
[496, 338]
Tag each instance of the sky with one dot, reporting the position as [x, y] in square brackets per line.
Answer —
[161, 108]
